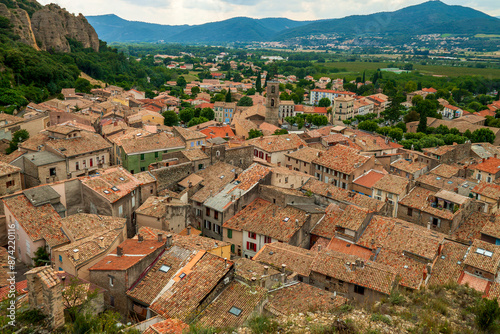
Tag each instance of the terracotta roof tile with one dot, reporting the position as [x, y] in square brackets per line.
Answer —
[107, 179]
[215, 178]
[302, 298]
[471, 228]
[187, 134]
[370, 275]
[265, 218]
[474, 282]
[369, 179]
[237, 295]
[342, 158]
[408, 166]
[410, 271]
[339, 194]
[489, 190]
[478, 258]
[8, 169]
[82, 225]
[392, 183]
[296, 259]
[278, 143]
[87, 142]
[491, 165]
[149, 143]
[345, 247]
[445, 170]
[307, 154]
[248, 269]
[186, 295]
[133, 252]
[168, 326]
[42, 222]
[401, 236]
[449, 264]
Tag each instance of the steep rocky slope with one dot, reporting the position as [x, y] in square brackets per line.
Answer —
[48, 27]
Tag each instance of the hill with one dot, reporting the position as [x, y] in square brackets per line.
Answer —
[426, 18]
[112, 28]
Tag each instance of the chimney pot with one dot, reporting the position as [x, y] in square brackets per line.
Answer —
[283, 268]
[319, 248]
[266, 270]
[160, 237]
[101, 242]
[189, 230]
[169, 241]
[76, 256]
[119, 250]
[139, 237]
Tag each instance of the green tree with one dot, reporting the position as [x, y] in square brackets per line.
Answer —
[368, 126]
[422, 124]
[393, 113]
[258, 83]
[228, 96]
[170, 118]
[83, 85]
[412, 116]
[396, 134]
[42, 257]
[195, 90]
[186, 115]
[181, 82]
[18, 137]
[483, 135]
[319, 120]
[207, 113]
[324, 102]
[245, 101]
[280, 132]
[196, 121]
[254, 133]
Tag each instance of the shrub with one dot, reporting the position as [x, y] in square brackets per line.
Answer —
[262, 324]
[382, 318]
[487, 312]
[396, 298]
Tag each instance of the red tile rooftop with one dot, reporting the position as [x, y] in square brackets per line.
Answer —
[342, 159]
[345, 247]
[477, 283]
[133, 252]
[278, 143]
[483, 256]
[369, 179]
[490, 165]
[112, 183]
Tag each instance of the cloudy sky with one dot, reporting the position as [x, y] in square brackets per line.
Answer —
[201, 11]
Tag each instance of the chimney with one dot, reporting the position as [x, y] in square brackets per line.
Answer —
[283, 268]
[428, 225]
[169, 241]
[119, 251]
[266, 270]
[101, 242]
[495, 155]
[319, 248]
[189, 230]
[225, 262]
[76, 256]
[139, 238]
[484, 159]
[190, 184]
[296, 222]
[160, 237]
[429, 268]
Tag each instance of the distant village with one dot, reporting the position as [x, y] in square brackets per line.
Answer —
[212, 224]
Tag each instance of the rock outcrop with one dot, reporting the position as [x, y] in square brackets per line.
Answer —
[52, 26]
[21, 24]
[49, 27]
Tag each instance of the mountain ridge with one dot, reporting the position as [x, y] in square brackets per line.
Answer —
[425, 18]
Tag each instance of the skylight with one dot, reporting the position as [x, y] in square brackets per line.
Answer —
[114, 188]
[286, 219]
[235, 311]
[122, 179]
[181, 276]
[450, 182]
[164, 268]
[106, 191]
[484, 252]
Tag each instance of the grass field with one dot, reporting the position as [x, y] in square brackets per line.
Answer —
[487, 36]
[356, 68]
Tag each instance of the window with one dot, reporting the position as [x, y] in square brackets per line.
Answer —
[120, 210]
[164, 268]
[10, 183]
[198, 212]
[207, 212]
[60, 258]
[267, 240]
[157, 154]
[389, 195]
[359, 289]
[192, 144]
[142, 156]
[84, 163]
[232, 249]
[77, 165]
[251, 246]
[252, 235]
[208, 225]
[112, 301]
[217, 228]
[52, 171]
[91, 162]
[143, 169]
[216, 214]
[111, 281]
[379, 192]
[479, 176]
[488, 179]
[234, 310]
[229, 233]
[410, 212]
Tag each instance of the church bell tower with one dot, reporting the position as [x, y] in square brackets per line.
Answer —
[272, 102]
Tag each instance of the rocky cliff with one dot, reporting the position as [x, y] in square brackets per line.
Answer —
[49, 27]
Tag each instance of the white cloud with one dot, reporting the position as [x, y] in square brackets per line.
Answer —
[197, 12]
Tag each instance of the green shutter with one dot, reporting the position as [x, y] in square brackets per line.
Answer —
[142, 157]
[229, 233]
[232, 248]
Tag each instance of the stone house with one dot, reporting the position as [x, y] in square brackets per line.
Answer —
[483, 260]
[164, 213]
[191, 138]
[120, 269]
[340, 165]
[10, 179]
[489, 194]
[273, 148]
[43, 167]
[301, 160]
[391, 189]
[408, 169]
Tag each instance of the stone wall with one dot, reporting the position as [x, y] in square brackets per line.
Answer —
[167, 177]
